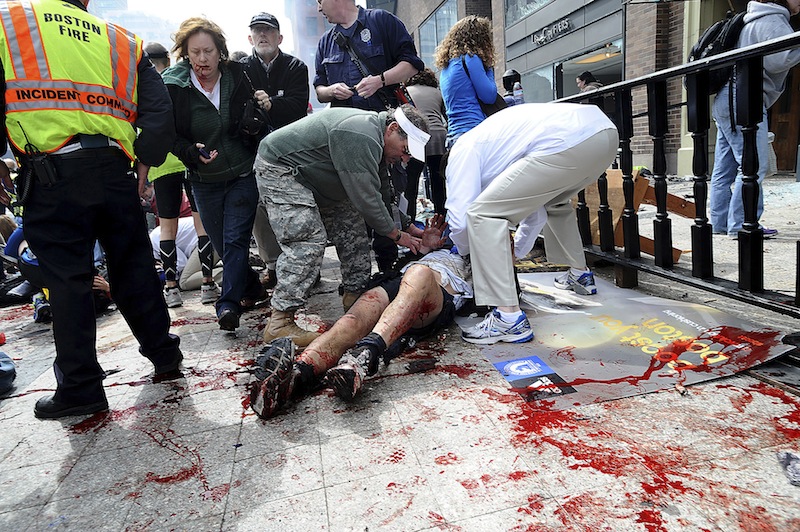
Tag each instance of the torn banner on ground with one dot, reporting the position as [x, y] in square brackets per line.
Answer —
[620, 343]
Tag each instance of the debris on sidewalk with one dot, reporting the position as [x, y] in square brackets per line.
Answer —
[790, 461]
[421, 365]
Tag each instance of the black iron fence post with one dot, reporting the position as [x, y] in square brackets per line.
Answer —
[699, 122]
[657, 118]
[749, 112]
[584, 223]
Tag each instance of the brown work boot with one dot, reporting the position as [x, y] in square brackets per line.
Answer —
[349, 298]
[282, 324]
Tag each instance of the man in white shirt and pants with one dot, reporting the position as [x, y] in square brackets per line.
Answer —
[510, 170]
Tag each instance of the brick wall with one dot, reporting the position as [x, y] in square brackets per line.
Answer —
[645, 52]
[415, 13]
[482, 8]
[498, 23]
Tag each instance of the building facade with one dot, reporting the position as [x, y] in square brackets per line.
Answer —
[308, 25]
[551, 42]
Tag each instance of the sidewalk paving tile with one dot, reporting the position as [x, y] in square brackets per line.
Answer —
[452, 448]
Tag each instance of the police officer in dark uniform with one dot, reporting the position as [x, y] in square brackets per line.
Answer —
[384, 45]
[73, 102]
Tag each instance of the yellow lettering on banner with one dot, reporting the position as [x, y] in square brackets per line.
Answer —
[650, 348]
[613, 324]
[693, 347]
[681, 365]
[712, 357]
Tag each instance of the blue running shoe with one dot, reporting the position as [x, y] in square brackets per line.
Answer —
[583, 285]
[769, 232]
[41, 309]
[493, 329]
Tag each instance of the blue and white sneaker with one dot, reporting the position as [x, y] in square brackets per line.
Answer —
[583, 284]
[41, 309]
[493, 329]
[769, 232]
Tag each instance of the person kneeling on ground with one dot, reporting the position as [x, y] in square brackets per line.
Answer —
[320, 178]
[423, 301]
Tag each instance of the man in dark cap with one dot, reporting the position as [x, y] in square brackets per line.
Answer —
[281, 83]
[280, 80]
[158, 55]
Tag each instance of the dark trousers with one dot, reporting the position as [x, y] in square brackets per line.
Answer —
[227, 210]
[385, 250]
[436, 179]
[95, 198]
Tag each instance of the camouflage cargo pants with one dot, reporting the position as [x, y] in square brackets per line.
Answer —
[302, 229]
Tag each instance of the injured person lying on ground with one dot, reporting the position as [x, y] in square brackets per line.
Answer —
[378, 325]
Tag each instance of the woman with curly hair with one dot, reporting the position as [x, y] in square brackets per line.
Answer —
[469, 42]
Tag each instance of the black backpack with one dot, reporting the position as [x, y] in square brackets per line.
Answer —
[721, 36]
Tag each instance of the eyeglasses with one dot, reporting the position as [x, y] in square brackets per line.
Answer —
[406, 152]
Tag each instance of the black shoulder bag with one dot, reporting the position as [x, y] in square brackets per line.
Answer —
[487, 108]
[254, 121]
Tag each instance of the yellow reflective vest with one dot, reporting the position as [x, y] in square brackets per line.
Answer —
[67, 72]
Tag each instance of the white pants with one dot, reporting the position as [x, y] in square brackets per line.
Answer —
[191, 277]
[522, 188]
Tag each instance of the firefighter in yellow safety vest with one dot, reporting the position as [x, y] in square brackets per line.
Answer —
[77, 89]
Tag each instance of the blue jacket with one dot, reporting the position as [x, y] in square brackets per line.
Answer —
[461, 93]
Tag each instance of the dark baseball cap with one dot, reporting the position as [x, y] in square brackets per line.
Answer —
[265, 18]
[156, 50]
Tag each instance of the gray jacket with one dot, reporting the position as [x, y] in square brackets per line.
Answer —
[762, 23]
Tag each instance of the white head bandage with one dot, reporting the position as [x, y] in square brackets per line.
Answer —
[417, 139]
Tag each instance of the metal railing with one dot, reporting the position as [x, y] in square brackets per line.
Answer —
[748, 110]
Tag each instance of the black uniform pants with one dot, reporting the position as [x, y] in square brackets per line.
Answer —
[95, 197]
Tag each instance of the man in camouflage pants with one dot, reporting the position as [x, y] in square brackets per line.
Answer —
[319, 178]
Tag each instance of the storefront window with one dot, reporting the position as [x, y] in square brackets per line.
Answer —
[538, 85]
[604, 63]
[433, 30]
[517, 10]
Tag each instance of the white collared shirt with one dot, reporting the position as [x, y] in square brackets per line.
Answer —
[484, 152]
[212, 96]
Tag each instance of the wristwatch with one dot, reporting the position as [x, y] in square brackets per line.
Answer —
[398, 237]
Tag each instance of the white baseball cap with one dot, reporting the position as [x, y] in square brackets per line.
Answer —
[417, 139]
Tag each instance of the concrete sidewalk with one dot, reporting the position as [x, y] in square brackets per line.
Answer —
[450, 449]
